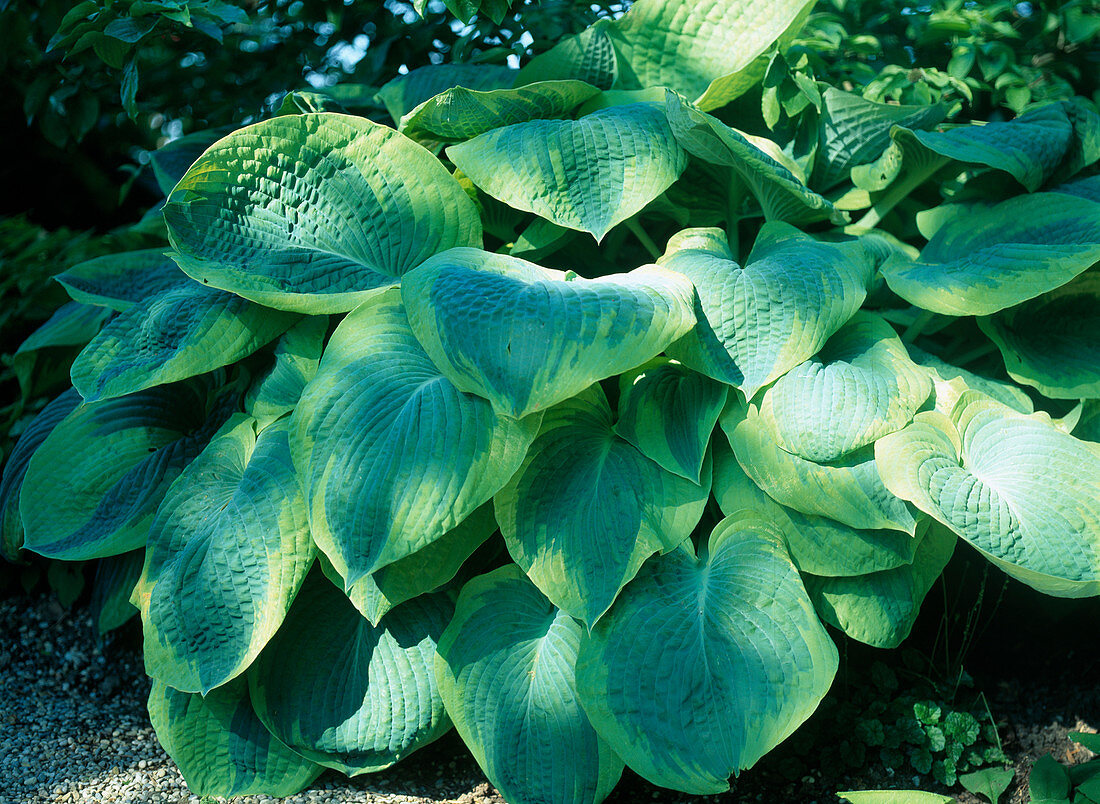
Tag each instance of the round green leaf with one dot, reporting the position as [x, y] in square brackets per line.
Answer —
[860, 386]
[506, 673]
[227, 551]
[986, 259]
[848, 490]
[93, 485]
[817, 544]
[587, 508]
[220, 745]
[1017, 488]
[315, 212]
[588, 174]
[181, 332]
[758, 321]
[879, 608]
[526, 337]
[391, 454]
[668, 412]
[347, 694]
[704, 665]
[1053, 342]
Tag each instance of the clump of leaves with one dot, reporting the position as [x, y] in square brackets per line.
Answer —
[566, 414]
[1053, 783]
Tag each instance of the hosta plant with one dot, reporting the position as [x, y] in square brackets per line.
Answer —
[569, 409]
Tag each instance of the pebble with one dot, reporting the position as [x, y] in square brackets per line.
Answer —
[74, 727]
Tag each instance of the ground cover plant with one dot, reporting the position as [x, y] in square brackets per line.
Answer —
[571, 405]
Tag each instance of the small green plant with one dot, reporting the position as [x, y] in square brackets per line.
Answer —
[1053, 783]
[566, 414]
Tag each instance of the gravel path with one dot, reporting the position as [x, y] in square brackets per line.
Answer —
[73, 727]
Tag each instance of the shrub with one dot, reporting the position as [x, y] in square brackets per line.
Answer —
[545, 306]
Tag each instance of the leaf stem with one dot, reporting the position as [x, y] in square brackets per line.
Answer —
[643, 237]
[897, 193]
[919, 323]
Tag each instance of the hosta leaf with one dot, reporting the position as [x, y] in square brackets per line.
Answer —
[1088, 426]
[345, 693]
[587, 56]
[426, 570]
[860, 386]
[391, 454]
[854, 131]
[506, 673]
[220, 745]
[880, 608]
[668, 412]
[314, 213]
[462, 114]
[15, 469]
[817, 544]
[894, 797]
[1029, 148]
[757, 322]
[41, 363]
[297, 355]
[949, 382]
[587, 508]
[1053, 342]
[527, 337]
[115, 579]
[704, 665]
[986, 259]
[182, 332]
[587, 174]
[227, 552]
[781, 194]
[119, 281]
[171, 161]
[696, 48]
[849, 490]
[406, 92]
[1083, 188]
[1020, 490]
[119, 458]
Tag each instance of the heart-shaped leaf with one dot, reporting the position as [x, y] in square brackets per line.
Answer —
[757, 322]
[782, 195]
[704, 665]
[860, 386]
[227, 551]
[818, 545]
[506, 673]
[587, 174]
[314, 213]
[668, 412]
[405, 92]
[461, 114]
[879, 609]
[120, 456]
[986, 259]
[221, 747]
[181, 332]
[587, 508]
[526, 337]
[699, 48]
[15, 469]
[120, 281]
[1017, 488]
[849, 490]
[1052, 342]
[391, 454]
[347, 694]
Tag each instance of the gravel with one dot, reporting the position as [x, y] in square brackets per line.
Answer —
[73, 727]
